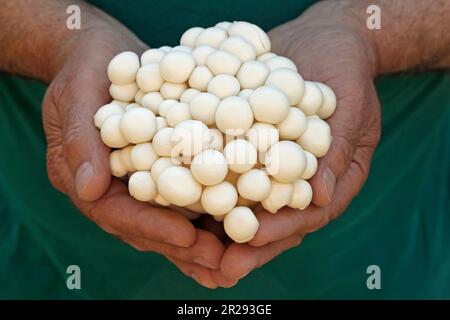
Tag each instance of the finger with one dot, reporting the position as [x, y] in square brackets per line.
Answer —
[287, 222]
[200, 274]
[118, 213]
[240, 259]
[207, 250]
[85, 154]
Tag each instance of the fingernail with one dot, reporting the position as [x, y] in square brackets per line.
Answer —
[203, 262]
[197, 279]
[83, 176]
[330, 182]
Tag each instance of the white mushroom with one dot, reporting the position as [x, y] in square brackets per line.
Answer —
[203, 107]
[316, 138]
[152, 56]
[302, 195]
[125, 158]
[269, 105]
[143, 156]
[188, 95]
[117, 167]
[262, 136]
[149, 78]
[201, 53]
[289, 82]
[200, 77]
[329, 101]
[293, 126]
[253, 34]
[234, 116]
[212, 37]
[123, 67]
[189, 36]
[254, 185]
[285, 161]
[223, 62]
[151, 101]
[280, 196]
[165, 106]
[142, 187]
[162, 142]
[190, 137]
[252, 74]
[110, 132]
[162, 164]
[138, 125]
[177, 185]
[241, 224]
[279, 62]
[171, 90]
[125, 92]
[223, 86]
[219, 199]
[209, 167]
[311, 166]
[105, 111]
[239, 47]
[241, 155]
[176, 66]
[177, 113]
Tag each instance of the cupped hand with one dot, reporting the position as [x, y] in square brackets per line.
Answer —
[338, 55]
[78, 161]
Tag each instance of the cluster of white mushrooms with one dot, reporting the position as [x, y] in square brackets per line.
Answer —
[215, 126]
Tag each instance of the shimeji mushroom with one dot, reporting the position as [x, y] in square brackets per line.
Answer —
[241, 224]
[285, 161]
[254, 185]
[174, 110]
[124, 92]
[143, 156]
[269, 105]
[176, 66]
[151, 101]
[209, 167]
[312, 99]
[138, 125]
[110, 132]
[316, 138]
[105, 111]
[219, 199]
[234, 116]
[123, 67]
[141, 186]
[223, 62]
[177, 185]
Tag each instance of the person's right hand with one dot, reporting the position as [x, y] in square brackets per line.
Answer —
[78, 161]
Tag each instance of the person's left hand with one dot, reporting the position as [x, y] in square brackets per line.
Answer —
[340, 57]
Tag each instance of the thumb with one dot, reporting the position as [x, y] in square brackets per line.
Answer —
[85, 154]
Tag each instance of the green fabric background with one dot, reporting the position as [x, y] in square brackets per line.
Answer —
[400, 220]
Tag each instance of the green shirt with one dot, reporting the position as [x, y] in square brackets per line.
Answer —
[400, 221]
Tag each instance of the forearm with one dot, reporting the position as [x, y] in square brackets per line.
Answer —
[34, 38]
[414, 34]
